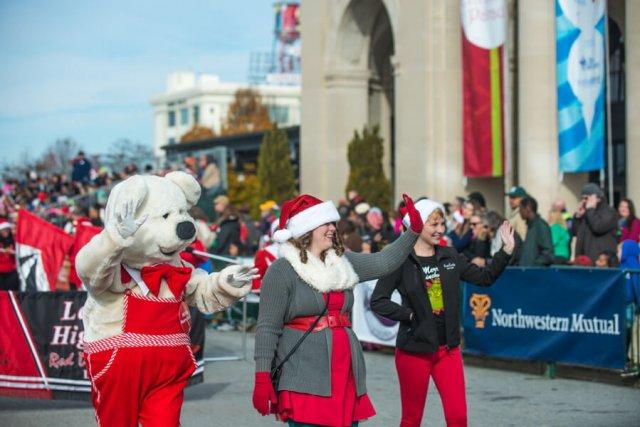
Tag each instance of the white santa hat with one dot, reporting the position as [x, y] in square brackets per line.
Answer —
[4, 224]
[426, 207]
[303, 214]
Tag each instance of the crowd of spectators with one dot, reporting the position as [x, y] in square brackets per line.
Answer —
[593, 235]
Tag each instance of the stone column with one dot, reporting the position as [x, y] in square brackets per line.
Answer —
[632, 46]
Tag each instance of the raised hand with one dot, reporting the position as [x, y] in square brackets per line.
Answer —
[244, 274]
[415, 219]
[507, 235]
[126, 223]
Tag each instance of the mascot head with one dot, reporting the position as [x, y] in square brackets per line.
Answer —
[165, 201]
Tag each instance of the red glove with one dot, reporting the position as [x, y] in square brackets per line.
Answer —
[263, 393]
[415, 219]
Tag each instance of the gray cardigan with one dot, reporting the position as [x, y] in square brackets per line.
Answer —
[285, 296]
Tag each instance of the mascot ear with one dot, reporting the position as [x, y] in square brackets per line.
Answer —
[133, 188]
[187, 184]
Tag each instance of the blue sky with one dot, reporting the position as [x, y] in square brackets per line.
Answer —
[86, 70]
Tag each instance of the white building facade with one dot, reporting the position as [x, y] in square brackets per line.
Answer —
[192, 99]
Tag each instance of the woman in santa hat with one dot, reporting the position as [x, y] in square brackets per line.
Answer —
[428, 339]
[310, 288]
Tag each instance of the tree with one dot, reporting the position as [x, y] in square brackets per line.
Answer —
[246, 114]
[366, 175]
[244, 190]
[197, 133]
[275, 172]
[58, 156]
[124, 152]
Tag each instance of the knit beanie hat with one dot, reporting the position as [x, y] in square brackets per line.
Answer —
[426, 208]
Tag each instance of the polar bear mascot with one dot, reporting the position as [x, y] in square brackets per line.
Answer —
[136, 318]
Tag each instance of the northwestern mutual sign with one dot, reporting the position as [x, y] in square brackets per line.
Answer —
[570, 316]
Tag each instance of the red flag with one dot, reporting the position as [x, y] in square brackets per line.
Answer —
[483, 36]
[40, 251]
[84, 233]
[21, 362]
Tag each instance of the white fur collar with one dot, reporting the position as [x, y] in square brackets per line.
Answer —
[335, 273]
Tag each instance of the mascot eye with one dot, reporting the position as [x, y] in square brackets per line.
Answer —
[165, 216]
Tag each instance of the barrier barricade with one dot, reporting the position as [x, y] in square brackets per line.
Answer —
[575, 316]
[41, 345]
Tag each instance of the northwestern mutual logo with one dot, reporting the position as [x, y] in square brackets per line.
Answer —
[480, 304]
[577, 323]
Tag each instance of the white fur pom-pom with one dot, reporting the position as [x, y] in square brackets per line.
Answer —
[282, 236]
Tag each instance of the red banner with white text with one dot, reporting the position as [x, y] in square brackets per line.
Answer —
[41, 344]
[484, 24]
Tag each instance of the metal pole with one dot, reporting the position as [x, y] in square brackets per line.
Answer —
[608, 92]
[507, 70]
[216, 257]
[244, 328]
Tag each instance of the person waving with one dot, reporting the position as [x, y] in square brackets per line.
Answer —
[429, 334]
[304, 328]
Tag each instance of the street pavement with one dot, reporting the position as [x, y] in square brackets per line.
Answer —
[494, 398]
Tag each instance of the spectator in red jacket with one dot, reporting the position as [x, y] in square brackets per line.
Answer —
[629, 223]
[8, 273]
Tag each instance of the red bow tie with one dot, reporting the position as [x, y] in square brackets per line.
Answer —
[176, 277]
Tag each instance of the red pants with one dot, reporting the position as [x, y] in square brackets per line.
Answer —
[142, 385]
[414, 370]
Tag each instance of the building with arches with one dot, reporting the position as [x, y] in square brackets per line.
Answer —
[397, 64]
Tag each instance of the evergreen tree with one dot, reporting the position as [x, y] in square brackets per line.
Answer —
[366, 175]
[244, 190]
[275, 172]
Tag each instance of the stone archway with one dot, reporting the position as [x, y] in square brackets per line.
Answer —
[362, 59]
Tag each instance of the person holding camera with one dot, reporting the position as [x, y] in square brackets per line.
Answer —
[309, 363]
[595, 224]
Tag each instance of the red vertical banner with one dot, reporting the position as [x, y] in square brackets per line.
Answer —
[484, 24]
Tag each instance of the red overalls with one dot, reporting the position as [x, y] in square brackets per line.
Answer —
[138, 376]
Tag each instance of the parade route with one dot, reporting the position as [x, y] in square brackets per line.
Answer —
[495, 398]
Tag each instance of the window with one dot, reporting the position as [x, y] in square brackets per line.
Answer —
[172, 141]
[184, 116]
[172, 118]
[279, 114]
[196, 114]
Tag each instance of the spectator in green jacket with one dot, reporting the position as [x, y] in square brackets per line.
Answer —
[560, 237]
[537, 249]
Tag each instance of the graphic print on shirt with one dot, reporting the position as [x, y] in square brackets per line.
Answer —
[434, 288]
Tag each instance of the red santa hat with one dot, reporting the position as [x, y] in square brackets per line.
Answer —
[303, 214]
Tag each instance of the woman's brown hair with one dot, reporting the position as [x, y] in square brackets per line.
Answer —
[303, 242]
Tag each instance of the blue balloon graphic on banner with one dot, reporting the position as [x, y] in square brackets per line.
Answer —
[580, 66]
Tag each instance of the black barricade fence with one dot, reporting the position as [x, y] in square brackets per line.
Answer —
[41, 344]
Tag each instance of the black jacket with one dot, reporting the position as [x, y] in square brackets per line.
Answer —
[596, 231]
[420, 335]
[228, 234]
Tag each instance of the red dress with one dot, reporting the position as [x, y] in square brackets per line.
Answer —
[343, 407]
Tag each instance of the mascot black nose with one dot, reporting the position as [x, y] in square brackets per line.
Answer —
[186, 230]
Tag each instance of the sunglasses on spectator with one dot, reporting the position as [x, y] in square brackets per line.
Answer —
[473, 224]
